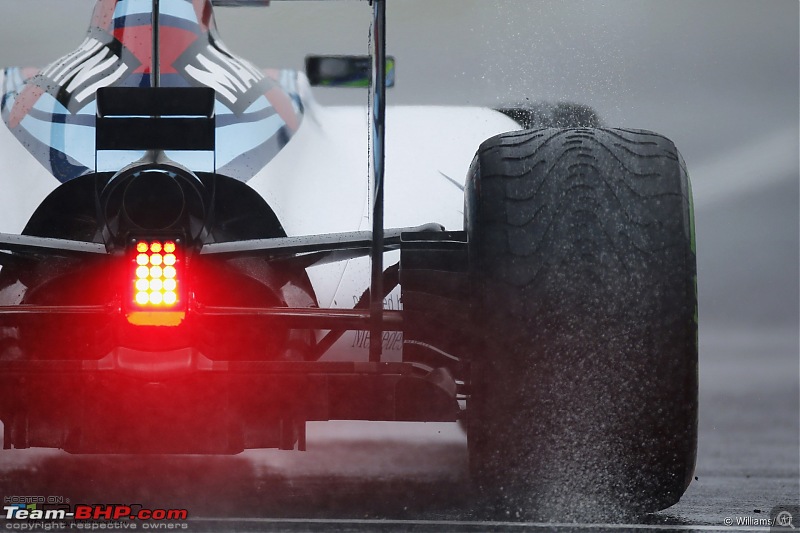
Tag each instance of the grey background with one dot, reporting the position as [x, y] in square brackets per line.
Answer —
[719, 77]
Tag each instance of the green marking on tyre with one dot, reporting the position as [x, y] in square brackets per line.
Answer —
[691, 214]
[696, 315]
[693, 244]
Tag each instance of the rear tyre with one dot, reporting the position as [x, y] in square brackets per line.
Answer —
[584, 379]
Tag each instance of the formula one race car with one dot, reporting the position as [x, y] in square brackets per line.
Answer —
[193, 262]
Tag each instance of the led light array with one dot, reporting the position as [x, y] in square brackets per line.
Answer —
[156, 280]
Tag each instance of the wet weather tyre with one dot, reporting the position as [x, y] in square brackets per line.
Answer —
[584, 376]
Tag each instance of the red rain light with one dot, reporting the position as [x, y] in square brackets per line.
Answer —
[155, 296]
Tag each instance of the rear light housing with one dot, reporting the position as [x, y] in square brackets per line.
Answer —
[156, 294]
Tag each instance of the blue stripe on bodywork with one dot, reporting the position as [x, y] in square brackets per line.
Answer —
[236, 139]
[125, 8]
[132, 20]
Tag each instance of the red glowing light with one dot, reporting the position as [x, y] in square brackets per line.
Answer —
[155, 294]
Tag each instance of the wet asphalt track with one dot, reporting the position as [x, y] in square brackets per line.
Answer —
[720, 80]
[398, 477]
